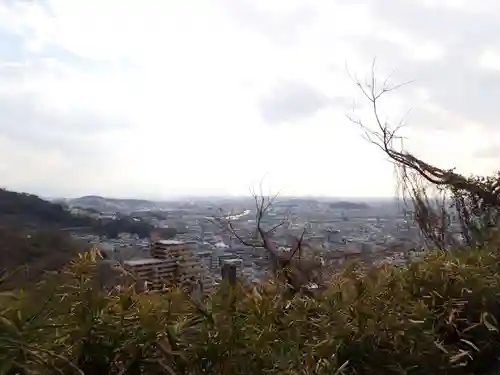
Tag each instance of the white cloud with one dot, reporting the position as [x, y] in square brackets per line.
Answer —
[490, 59]
[466, 6]
[157, 98]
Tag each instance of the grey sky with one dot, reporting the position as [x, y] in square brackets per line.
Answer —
[292, 101]
[175, 98]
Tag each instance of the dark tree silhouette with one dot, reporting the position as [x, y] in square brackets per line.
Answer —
[298, 271]
[433, 193]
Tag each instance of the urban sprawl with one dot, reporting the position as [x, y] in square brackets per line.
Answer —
[333, 231]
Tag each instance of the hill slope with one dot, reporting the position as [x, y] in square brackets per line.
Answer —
[37, 251]
[349, 205]
[27, 210]
[111, 204]
[30, 232]
[30, 236]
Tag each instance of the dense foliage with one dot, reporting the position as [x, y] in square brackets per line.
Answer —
[32, 252]
[438, 316]
[31, 239]
[29, 210]
[113, 228]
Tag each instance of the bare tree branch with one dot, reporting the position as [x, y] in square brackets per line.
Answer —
[476, 199]
[298, 271]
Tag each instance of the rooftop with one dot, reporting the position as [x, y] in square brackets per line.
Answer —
[232, 261]
[171, 242]
[136, 262]
[204, 253]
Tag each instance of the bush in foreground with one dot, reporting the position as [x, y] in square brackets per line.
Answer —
[432, 317]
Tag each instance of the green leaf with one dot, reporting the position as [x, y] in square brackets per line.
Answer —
[472, 345]
[9, 325]
[490, 326]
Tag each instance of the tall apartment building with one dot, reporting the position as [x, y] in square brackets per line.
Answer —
[155, 272]
[189, 268]
[172, 262]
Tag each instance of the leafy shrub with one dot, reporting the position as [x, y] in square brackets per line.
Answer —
[432, 317]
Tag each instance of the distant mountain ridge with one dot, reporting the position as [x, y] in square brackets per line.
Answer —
[350, 205]
[104, 204]
[341, 204]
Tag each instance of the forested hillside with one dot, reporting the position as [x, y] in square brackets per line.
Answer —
[27, 210]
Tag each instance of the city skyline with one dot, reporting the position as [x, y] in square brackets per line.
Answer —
[160, 99]
[187, 198]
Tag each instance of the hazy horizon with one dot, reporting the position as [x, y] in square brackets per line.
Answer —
[156, 98]
[222, 197]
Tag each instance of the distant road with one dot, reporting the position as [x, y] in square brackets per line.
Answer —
[238, 216]
[231, 217]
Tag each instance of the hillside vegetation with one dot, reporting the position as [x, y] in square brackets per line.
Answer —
[30, 240]
[31, 236]
[29, 253]
[438, 316]
[27, 210]
[111, 204]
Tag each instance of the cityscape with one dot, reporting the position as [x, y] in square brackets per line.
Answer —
[191, 242]
[249, 187]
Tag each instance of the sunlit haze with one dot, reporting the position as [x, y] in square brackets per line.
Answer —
[157, 99]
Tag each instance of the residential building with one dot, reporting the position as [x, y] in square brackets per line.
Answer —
[154, 273]
[172, 263]
[189, 269]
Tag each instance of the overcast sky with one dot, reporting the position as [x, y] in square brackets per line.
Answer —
[165, 98]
